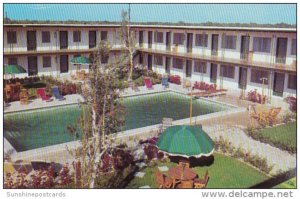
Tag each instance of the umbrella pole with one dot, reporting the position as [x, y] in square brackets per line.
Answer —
[191, 107]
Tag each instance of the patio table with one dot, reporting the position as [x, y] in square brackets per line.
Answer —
[181, 173]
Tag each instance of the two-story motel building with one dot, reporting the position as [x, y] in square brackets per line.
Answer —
[232, 57]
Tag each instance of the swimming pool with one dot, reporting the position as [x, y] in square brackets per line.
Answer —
[45, 127]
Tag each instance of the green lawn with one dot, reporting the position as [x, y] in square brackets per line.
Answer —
[289, 184]
[283, 136]
[224, 172]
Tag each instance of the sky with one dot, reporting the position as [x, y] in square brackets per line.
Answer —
[191, 13]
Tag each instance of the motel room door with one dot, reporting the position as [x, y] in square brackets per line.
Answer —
[64, 63]
[168, 41]
[281, 50]
[245, 47]
[92, 39]
[168, 64]
[243, 78]
[63, 39]
[149, 39]
[278, 84]
[31, 40]
[214, 44]
[189, 43]
[32, 65]
[149, 62]
[141, 38]
[213, 72]
[188, 68]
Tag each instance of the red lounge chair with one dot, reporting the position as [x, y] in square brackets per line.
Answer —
[148, 83]
[41, 92]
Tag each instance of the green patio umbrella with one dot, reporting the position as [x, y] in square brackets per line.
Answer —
[81, 60]
[186, 141]
[12, 69]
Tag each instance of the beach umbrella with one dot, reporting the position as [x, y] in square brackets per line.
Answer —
[12, 69]
[185, 141]
[80, 60]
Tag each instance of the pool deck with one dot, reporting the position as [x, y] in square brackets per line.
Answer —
[39, 103]
[58, 153]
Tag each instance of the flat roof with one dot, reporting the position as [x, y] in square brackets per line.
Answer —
[159, 27]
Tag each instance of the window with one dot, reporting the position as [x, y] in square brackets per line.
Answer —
[47, 62]
[227, 71]
[256, 76]
[294, 47]
[45, 37]
[200, 67]
[158, 60]
[229, 41]
[292, 82]
[103, 35]
[13, 61]
[12, 37]
[177, 63]
[76, 36]
[178, 38]
[159, 37]
[261, 44]
[201, 40]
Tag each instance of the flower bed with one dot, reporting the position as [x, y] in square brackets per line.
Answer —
[175, 79]
[254, 96]
[205, 86]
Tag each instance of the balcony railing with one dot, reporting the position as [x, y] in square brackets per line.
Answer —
[280, 60]
[214, 52]
[244, 56]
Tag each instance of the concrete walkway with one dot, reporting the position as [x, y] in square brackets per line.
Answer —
[39, 103]
[281, 160]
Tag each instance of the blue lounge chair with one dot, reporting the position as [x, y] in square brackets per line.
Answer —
[56, 94]
[164, 82]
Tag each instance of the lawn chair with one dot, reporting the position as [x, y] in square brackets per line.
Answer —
[41, 92]
[201, 183]
[164, 82]
[57, 94]
[148, 83]
[163, 181]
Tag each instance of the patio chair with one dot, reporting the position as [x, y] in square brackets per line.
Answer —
[162, 180]
[57, 94]
[201, 183]
[165, 82]
[41, 92]
[148, 83]
[186, 184]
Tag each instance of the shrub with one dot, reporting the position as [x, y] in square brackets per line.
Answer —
[292, 101]
[151, 151]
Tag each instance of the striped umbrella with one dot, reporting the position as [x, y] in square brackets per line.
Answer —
[185, 141]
